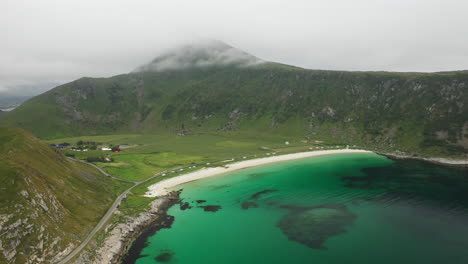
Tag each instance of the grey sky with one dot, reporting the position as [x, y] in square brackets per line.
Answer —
[47, 41]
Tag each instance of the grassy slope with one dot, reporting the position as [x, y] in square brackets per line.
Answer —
[75, 196]
[419, 113]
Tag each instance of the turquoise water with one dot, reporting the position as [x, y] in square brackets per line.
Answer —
[346, 208]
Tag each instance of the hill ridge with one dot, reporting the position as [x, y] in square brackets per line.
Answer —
[417, 113]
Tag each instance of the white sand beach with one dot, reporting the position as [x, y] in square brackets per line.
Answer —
[163, 187]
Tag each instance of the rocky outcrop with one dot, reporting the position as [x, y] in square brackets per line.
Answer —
[48, 203]
[120, 237]
[29, 221]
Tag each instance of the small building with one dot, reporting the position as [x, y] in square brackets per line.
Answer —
[106, 149]
[116, 150]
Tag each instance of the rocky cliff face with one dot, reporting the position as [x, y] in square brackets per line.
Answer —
[119, 237]
[47, 203]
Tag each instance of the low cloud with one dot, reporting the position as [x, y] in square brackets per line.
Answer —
[52, 41]
[201, 54]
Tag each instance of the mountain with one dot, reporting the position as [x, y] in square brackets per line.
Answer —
[47, 203]
[217, 88]
[203, 54]
[9, 101]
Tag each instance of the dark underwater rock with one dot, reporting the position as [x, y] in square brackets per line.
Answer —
[314, 225]
[184, 206]
[211, 208]
[258, 194]
[165, 256]
[247, 205]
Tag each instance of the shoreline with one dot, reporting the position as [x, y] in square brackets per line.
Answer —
[163, 187]
[438, 161]
[123, 236]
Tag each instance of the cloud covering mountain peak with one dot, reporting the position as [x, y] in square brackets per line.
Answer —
[201, 54]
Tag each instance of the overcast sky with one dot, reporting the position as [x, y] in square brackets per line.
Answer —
[46, 42]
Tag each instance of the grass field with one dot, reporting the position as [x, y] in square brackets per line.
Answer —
[137, 167]
[152, 153]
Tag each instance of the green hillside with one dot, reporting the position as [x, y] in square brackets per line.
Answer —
[48, 204]
[203, 92]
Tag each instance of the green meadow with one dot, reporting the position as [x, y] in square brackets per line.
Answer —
[148, 154]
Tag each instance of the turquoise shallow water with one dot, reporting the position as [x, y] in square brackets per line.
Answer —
[346, 208]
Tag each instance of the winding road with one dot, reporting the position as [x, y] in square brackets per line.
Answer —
[119, 199]
[109, 212]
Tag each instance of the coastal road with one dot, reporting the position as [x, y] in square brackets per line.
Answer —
[101, 170]
[119, 199]
[98, 227]
[111, 210]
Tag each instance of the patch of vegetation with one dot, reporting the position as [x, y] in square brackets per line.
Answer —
[137, 167]
[49, 194]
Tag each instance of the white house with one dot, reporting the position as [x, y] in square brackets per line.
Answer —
[106, 149]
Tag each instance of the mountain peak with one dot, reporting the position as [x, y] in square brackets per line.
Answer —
[200, 54]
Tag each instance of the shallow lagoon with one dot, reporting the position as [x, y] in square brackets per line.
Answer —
[344, 208]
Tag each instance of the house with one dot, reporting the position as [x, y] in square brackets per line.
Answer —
[116, 150]
[60, 146]
[107, 159]
[106, 149]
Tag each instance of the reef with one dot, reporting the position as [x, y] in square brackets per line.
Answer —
[211, 208]
[312, 226]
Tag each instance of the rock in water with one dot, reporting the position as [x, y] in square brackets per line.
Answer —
[312, 227]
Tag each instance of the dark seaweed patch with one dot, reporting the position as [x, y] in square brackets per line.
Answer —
[258, 194]
[412, 180]
[247, 205]
[164, 256]
[185, 206]
[201, 201]
[211, 208]
[312, 226]
[219, 187]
